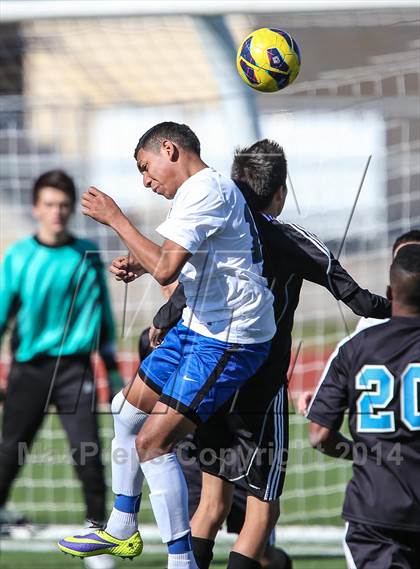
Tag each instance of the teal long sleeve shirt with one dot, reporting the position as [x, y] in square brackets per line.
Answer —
[58, 297]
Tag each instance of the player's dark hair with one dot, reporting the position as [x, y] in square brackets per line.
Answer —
[57, 179]
[259, 170]
[405, 276]
[179, 134]
[413, 235]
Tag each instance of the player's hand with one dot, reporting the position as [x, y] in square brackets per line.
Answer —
[156, 336]
[303, 401]
[100, 206]
[126, 269]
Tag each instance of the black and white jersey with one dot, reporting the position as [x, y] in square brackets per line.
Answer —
[292, 254]
[375, 374]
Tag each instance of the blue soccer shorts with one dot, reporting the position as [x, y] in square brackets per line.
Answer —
[196, 375]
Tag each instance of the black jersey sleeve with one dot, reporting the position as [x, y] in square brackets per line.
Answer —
[315, 262]
[331, 398]
[169, 314]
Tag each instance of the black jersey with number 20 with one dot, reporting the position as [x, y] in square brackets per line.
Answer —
[375, 374]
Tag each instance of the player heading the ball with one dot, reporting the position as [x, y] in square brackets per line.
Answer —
[211, 245]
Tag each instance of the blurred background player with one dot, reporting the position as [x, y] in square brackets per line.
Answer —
[53, 290]
[411, 237]
[375, 375]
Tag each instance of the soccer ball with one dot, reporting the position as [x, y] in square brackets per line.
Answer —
[268, 60]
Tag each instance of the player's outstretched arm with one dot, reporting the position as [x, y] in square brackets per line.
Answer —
[316, 263]
[329, 442]
[163, 263]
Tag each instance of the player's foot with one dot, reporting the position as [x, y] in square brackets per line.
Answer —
[99, 542]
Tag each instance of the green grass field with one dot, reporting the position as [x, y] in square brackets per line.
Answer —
[57, 561]
[48, 490]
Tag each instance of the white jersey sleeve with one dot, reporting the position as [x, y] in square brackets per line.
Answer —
[198, 212]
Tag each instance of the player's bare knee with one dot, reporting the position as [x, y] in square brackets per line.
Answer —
[216, 511]
[219, 513]
[150, 445]
[143, 444]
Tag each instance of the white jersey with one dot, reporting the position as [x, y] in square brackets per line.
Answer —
[227, 296]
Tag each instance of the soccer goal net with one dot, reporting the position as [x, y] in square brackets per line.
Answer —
[77, 93]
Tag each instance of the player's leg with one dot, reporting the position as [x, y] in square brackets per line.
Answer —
[215, 504]
[23, 413]
[130, 409]
[187, 456]
[250, 546]
[255, 431]
[210, 372]
[254, 531]
[121, 537]
[218, 500]
[186, 452]
[273, 557]
[164, 428]
[74, 397]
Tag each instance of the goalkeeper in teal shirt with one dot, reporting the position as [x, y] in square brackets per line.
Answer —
[53, 291]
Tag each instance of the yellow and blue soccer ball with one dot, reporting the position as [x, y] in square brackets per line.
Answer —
[268, 60]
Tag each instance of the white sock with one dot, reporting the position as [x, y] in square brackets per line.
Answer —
[121, 525]
[127, 476]
[169, 499]
[182, 561]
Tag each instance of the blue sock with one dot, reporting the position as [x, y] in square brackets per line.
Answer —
[122, 522]
[127, 504]
[181, 545]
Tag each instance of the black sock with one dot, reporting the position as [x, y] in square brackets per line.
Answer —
[239, 561]
[277, 558]
[203, 551]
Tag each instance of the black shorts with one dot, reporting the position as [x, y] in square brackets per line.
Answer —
[246, 441]
[374, 547]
